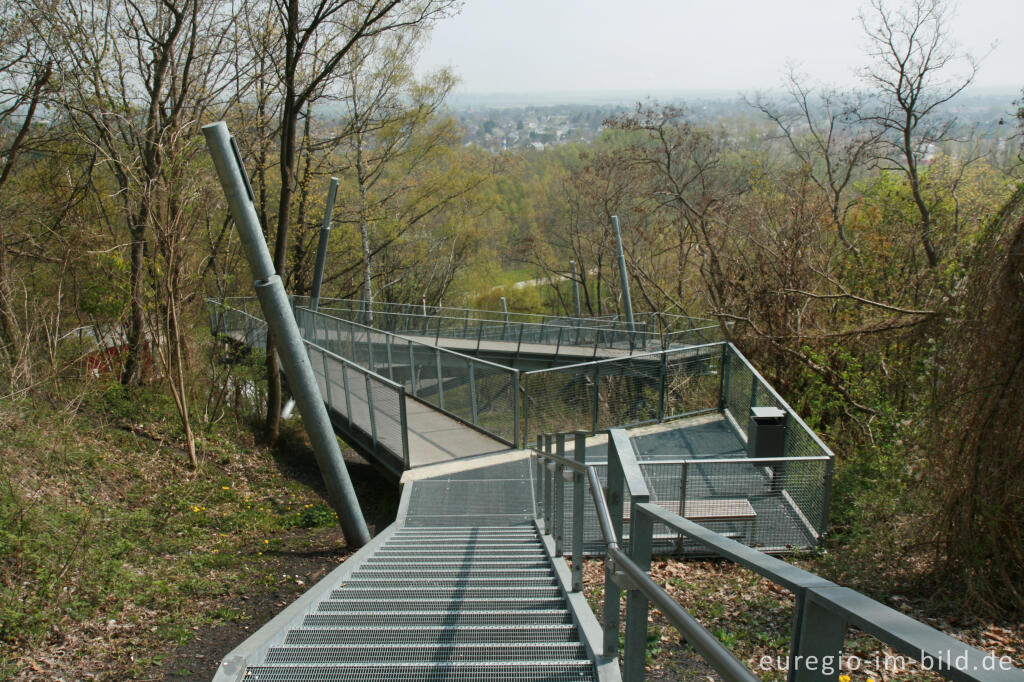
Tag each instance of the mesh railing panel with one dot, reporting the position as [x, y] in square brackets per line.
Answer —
[477, 392]
[612, 393]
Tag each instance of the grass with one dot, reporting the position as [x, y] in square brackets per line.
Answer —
[113, 549]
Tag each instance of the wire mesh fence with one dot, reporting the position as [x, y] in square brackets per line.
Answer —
[773, 504]
[370, 407]
[650, 331]
[639, 389]
[474, 391]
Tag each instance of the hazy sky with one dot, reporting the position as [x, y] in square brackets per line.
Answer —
[649, 46]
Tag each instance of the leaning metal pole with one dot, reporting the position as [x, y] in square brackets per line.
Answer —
[321, 247]
[622, 272]
[278, 313]
[575, 290]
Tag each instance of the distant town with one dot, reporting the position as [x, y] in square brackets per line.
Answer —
[503, 126]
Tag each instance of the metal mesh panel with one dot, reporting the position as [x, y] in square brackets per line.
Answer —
[613, 393]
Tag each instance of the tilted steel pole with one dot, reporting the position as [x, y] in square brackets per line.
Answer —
[278, 313]
[321, 247]
[622, 272]
[575, 290]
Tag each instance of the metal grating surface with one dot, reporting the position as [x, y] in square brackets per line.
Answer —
[395, 619]
[540, 671]
[527, 651]
[433, 635]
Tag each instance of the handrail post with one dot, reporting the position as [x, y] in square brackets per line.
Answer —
[440, 379]
[559, 494]
[580, 455]
[817, 631]
[615, 488]
[369, 406]
[516, 397]
[404, 424]
[538, 476]
[663, 386]
[548, 487]
[641, 532]
[723, 385]
[472, 391]
[327, 383]
[597, 396]
[412, 370]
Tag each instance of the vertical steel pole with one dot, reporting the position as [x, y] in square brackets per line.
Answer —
[559, 493]
[321, 247]
[577, 308]
[504, 312]
[626, 300]
[472, 391]
[580, 455]
[281, 321]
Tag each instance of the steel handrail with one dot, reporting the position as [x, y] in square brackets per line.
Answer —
[707, 645]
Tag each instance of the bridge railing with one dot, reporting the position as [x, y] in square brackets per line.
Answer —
[652, 330]
[640, 389]
[823, 611]
[480, 393]
[368, 406]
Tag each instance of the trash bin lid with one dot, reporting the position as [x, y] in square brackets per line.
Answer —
[767, 414]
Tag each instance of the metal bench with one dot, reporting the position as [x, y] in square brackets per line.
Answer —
[702, 511]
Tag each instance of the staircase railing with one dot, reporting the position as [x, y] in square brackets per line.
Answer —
[369, 406]
[482, 394]
[822, 614]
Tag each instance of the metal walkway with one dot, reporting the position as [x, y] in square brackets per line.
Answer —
[469, 582]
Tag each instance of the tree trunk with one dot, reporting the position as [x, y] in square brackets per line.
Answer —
[136, 324]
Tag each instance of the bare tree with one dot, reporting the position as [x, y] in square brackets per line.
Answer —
[916, 69]
[25, 70]
[825, 131]
[315, 40]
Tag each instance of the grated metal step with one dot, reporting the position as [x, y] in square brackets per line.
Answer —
[426, 580]
[480, 653]
[390, 618]
[448, 593]
[426, 564]
[450, 634]
[468, 604]
[536, 671]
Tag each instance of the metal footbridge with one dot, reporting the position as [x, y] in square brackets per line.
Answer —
[520, 442]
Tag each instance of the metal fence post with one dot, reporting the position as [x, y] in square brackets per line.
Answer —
[615, 488]
[663, 386]
[597, 397]
[373, 417]
[548, 487]
[391, 362]
[440, 379]
[516, 397]
[817, 632]
[826, 498]
[723, 384]
[348, 396]
[580, 455]
[412, 370]
[404, 424]
[559, 491]
[641, 531]
[472, 391]
[327, 381]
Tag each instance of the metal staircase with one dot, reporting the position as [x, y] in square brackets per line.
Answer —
[438, 597]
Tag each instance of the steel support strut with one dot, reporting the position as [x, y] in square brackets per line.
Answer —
[281, 321]
[321, 247]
